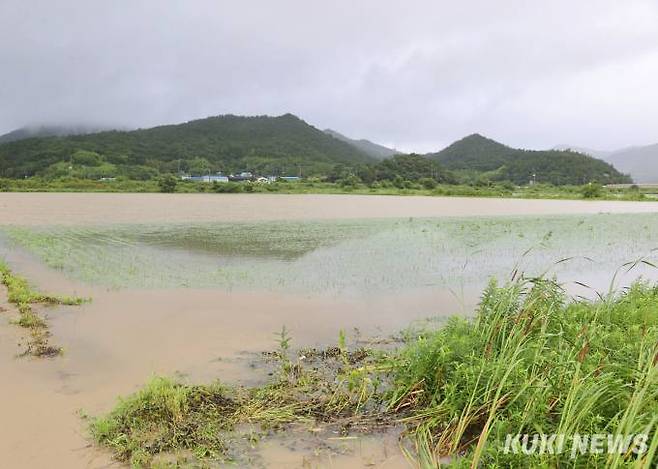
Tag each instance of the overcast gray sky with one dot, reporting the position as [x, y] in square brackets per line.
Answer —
[413, 74]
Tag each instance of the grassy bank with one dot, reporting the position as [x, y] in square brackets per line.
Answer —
[529, 362]
[316, 186]
[20, 294]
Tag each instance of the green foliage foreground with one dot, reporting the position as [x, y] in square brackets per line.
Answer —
[529, 362]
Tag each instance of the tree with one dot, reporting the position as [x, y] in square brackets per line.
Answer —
[591, 191]
[86, 158]
[427, 183]
[350, 181]
[198, 166]
[167, 183]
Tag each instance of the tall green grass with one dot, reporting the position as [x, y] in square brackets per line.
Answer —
[532, 363]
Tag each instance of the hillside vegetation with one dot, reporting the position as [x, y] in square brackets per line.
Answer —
[476, 156]
[267, 145]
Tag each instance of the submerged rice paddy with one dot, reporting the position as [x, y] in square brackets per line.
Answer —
[358, 256]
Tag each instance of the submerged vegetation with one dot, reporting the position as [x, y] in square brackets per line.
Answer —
[218, 422]
[529, 362]
[24, 297]
[328, 256]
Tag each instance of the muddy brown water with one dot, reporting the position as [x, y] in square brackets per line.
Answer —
[116, 342]
[120, 339]
[97, 208]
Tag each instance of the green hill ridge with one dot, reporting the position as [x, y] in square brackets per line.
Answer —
[477, 156]
[263, 144]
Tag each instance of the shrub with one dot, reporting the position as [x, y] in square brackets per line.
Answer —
[228, 187]
[483, 181]
[167, 183]
[591, 191]
[350, 181]
[427, 183]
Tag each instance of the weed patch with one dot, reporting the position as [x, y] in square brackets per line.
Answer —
[208, 421]
[23, 296]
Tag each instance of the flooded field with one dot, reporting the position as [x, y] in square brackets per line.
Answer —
[197, 285]
[99, 208]
[340, 257]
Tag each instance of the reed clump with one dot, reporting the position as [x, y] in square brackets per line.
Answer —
[24, 297]
[533, 363]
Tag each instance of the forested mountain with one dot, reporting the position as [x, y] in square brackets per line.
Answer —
[473, 153]
[373, 149]
[278, 145]
[479, 156]
[47, 131]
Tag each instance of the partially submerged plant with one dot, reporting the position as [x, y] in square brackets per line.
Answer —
[23, 296]
[168, 417]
